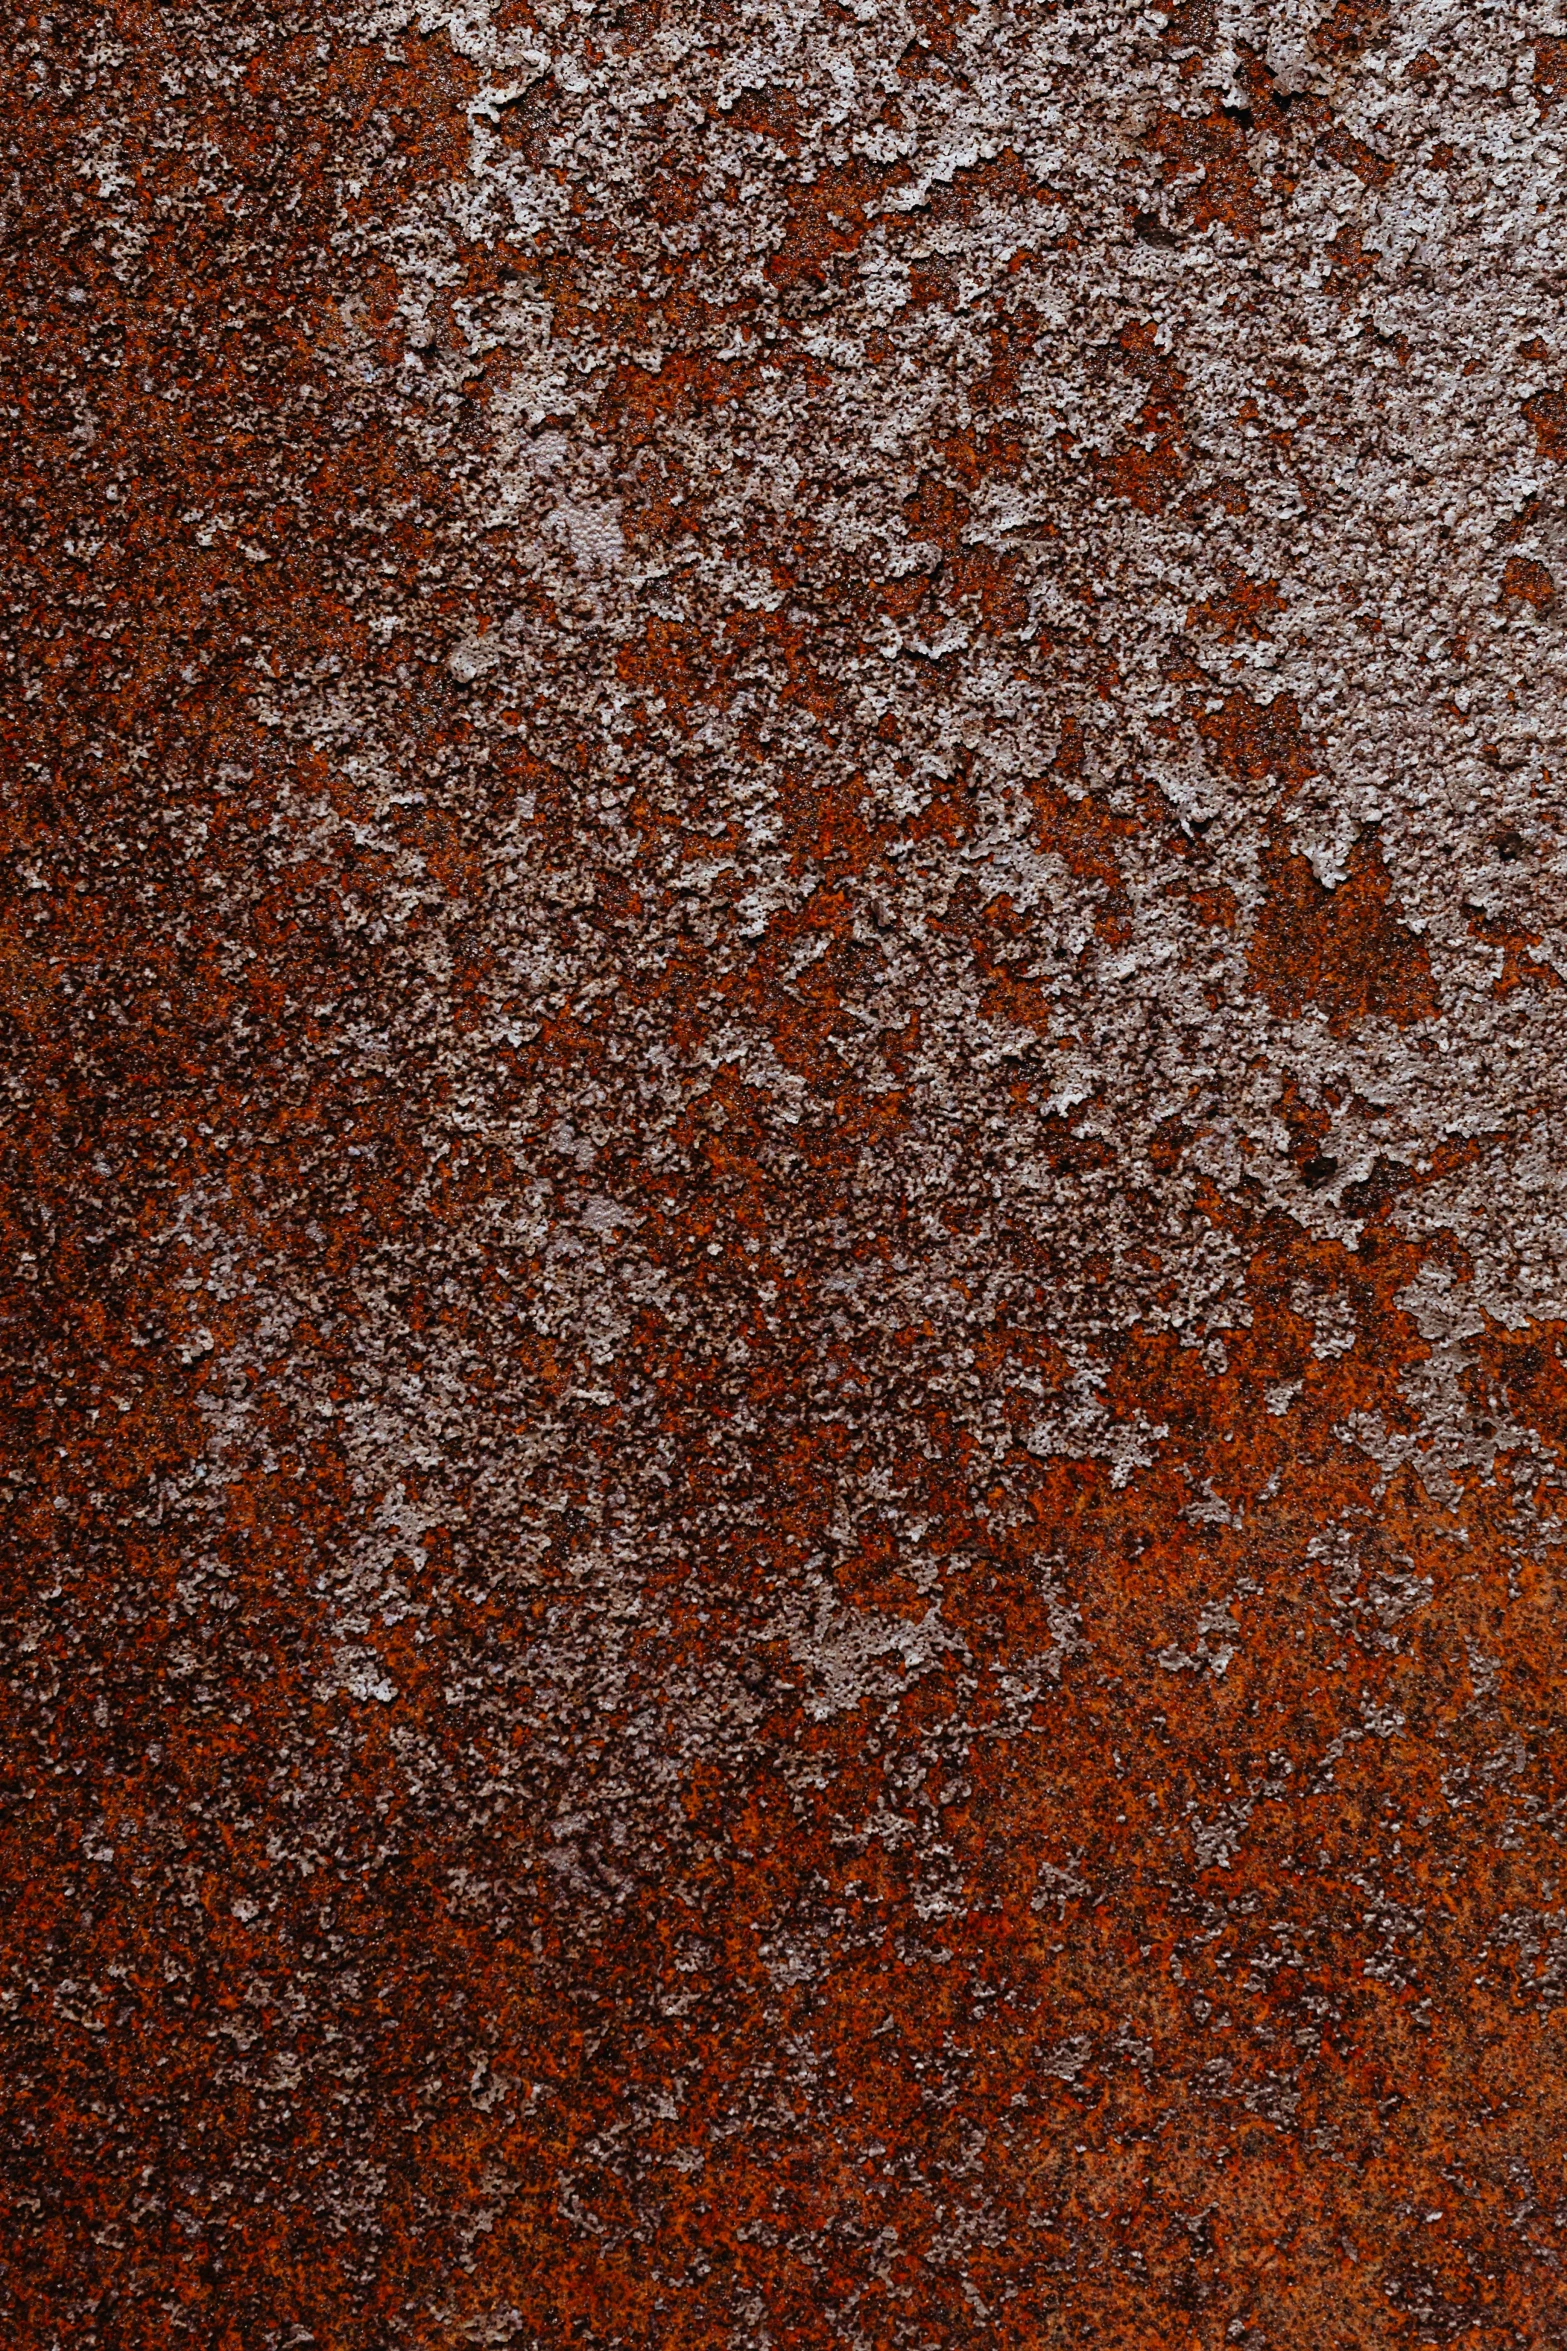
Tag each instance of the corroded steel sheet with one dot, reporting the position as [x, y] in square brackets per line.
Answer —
[785, 1361]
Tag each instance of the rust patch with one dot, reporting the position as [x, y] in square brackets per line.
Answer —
[1244, 607]
[1343, 949]
[1547, 413]
[1529, 582]
[828, 218]
[1149, 466]
[1206, 161]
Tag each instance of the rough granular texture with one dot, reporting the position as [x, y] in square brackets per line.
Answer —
[785, 1324]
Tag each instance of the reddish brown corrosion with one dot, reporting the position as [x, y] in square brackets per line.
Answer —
[785, 1357]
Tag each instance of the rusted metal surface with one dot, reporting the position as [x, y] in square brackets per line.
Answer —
[786, 1340]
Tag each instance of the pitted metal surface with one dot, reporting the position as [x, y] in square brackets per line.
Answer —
[784, 915]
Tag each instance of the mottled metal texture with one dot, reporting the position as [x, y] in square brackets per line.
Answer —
[785, 1327]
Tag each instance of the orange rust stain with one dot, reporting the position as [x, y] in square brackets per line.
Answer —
[1244, 606]
[1550, 71]
[1547, 413]
[1529, 582]
[1250, 740]
[1148, 468]
[828, 217]
[1207, 164]
[1342, 949]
